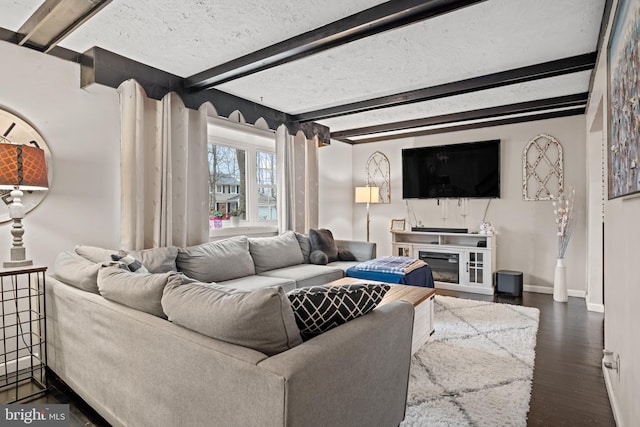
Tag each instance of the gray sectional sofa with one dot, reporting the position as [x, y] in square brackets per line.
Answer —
[109, 339]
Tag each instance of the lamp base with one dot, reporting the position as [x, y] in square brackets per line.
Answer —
[18, 256]
[12, 264]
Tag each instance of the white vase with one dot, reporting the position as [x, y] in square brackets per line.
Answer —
[560, 281]
[235, 220]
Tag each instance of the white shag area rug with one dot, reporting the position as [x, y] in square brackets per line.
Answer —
[477, 368]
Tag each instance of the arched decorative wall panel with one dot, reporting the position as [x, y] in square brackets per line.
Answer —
[542, 169]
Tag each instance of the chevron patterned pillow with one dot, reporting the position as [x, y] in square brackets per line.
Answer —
[320, 308]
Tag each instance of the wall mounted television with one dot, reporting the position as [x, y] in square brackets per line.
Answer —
[469, 170]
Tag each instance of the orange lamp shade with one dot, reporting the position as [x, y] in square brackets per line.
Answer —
[22, 166]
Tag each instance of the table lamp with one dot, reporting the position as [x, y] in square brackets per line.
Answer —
[22, 167]
[367, 195]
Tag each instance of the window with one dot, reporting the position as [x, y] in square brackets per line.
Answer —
[227, 179]
[242, 173]
[266, 180]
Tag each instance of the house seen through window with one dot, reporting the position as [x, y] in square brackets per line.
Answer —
[242, 178]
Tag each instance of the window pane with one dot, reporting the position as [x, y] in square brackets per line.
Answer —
[266, 180]
[227, 180]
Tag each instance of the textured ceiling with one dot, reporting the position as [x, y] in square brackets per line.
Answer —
[186, 37]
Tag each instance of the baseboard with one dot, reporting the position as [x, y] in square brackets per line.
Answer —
[547, 290]
[15, 365]
[598, 308]
[606, 373]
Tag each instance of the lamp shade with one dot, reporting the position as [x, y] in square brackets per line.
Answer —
[367, 195]
[22, 166]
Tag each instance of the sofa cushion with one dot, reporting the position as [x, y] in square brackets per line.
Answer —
[156, 260]
[262, 319]
[305, 246]
[269, 253]
[307, 274]
[217, 261]
[320, 308]
[94, 253]
[250, 283]
[141, 291]
[322, 240]
[76, 271]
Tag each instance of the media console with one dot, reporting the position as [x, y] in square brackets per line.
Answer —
[459, 261]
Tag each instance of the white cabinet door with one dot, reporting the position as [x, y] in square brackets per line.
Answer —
[477, 266]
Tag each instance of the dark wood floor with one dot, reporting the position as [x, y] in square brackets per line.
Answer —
[568, 387]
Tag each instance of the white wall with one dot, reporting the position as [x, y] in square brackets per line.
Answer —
[82, 129]
[526, 230]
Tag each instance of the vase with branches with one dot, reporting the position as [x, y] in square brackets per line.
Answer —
[563, 211]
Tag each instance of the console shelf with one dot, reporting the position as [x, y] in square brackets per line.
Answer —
[459, 261]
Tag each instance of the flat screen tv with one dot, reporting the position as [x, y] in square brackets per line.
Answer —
[469, 170]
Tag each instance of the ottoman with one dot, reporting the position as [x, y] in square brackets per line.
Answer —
[420, 276]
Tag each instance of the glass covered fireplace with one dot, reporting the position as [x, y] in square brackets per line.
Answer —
[444, 266]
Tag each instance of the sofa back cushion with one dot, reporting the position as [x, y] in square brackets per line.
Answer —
[262, 319]
[269, 253]
[76, 271]
[217, 261]
[141, 291]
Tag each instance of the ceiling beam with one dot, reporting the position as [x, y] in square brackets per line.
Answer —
[468, 126]
[56, 19]
[483, 113]
[380, 18]
[543, 70]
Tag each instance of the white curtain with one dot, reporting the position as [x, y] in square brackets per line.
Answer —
[297, 168]
[164, 171]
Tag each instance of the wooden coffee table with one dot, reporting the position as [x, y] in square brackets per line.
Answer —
[421, 298]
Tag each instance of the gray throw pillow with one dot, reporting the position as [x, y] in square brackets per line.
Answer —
[305, 246]
[157, 260]
[269, 253]
[141, 291]
[217, 261]
[322, 240]
[76, 271]
[318, 258]
[262, 319]
[130, 262]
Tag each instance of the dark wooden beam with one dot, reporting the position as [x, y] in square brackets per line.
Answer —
[483, 113]
[110, 69]
[469, 126]
[558, 67]
[56, 19]
[383, 17]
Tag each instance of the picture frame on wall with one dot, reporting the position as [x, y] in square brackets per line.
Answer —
[623, 54]
[397, 224]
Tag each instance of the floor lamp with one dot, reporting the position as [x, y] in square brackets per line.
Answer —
[367, 195]
[22, 167]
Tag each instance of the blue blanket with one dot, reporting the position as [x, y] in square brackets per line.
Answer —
[388, 264]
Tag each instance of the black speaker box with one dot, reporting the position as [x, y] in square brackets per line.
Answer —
[509, 282]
